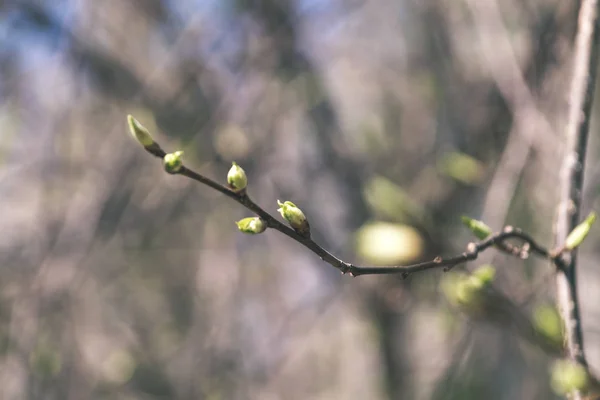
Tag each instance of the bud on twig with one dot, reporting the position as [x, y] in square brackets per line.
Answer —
[252, 225]
[295, 217]
[479, 229]
[139, 132]
[173, 162]
[236, 178]
[580, 232]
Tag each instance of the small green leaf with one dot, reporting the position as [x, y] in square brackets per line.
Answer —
[578, 235]
[479, 229]
[139, 132]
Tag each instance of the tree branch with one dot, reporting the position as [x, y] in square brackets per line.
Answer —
[236, 189]
[473, 250]
[568, 213]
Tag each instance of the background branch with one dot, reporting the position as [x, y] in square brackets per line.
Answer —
[580, 101]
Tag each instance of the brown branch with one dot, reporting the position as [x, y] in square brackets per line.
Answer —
[568, 213]
[559, 256]
[473, 250]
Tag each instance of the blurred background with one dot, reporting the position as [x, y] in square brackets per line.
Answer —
[384, 120]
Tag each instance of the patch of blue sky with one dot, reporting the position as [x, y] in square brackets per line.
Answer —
[34, 41]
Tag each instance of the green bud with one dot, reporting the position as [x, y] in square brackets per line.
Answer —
[252, 225]
[479, 229]
[173, 162]
[547, 322]
[236, 178]
[294, 216]
[139, 132]
[568, 376]
[580, 232]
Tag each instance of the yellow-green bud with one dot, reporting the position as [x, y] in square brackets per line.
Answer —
[236, 178]
[139, 132]
[580, 232]
[173, 162]
[252, 225]
[294, 216]
[568, 376]
[479, 229]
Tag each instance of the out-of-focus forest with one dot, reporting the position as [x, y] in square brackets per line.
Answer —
[384, 120]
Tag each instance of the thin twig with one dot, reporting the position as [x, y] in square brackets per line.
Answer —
[581, 96]
[473, 250]
[497, 240]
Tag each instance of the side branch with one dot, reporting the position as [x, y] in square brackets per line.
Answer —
[473, 250]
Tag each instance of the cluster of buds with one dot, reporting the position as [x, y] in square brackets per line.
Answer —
[237, 181]
[171, 161]
[574, 239]
[288, 210]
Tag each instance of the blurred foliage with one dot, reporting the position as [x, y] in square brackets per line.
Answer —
[468, 291]
[568, 377]
[382, 243]
[547, 321]
[384, 120]
[461, 167]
